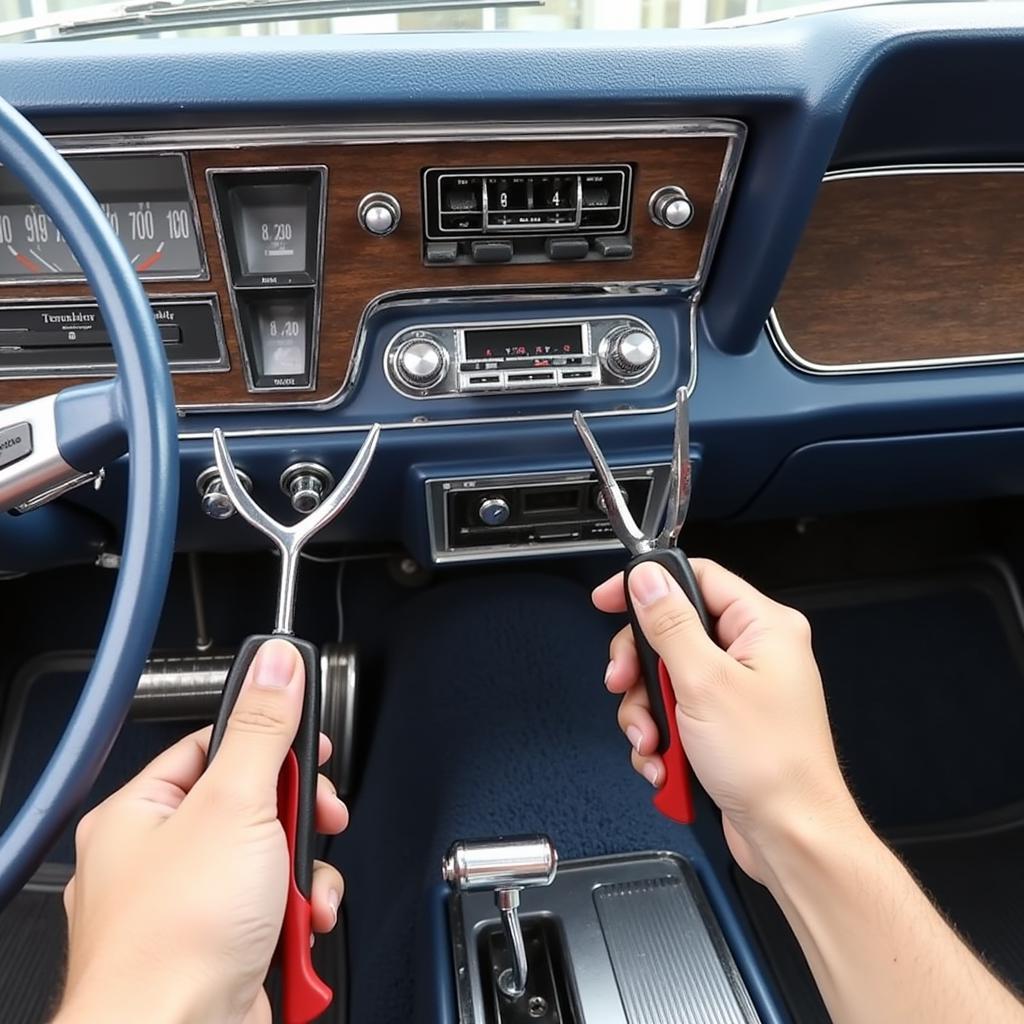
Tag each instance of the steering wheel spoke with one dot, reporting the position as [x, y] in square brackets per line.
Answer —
[54, 443]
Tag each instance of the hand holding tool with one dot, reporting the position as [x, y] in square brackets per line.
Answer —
[304, 995]
[673, 798]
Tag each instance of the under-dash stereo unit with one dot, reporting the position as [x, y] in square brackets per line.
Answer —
[448, 360]
[535, 513]
[526, 214]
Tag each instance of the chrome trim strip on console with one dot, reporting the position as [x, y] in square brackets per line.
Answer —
[799, 362]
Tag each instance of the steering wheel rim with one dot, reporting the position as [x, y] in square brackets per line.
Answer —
[138, 404]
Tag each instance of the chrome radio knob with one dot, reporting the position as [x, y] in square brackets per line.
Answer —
[379, 213]
[494, 511]
[629, 352]
[670, 207]
[421, 361]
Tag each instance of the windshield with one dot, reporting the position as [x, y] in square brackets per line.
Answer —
[35, 20]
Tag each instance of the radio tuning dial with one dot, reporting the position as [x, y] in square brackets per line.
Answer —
[629, 352]
[421, 361]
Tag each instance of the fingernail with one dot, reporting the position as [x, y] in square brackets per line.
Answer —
[648, 583]
[608, 672]
[635, 737]
[275, 665]
[333, 899]
[651, 774]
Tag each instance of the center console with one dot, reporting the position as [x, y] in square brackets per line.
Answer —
[627, 939]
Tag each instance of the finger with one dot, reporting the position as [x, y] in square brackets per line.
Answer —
[623, 672]
[328, 888]
[262, 724]
[331, 812]
[673, 628]
[610, 596]
[164, 782]
[69, 896]
[652, 768]
[636, 722]
[325, 750]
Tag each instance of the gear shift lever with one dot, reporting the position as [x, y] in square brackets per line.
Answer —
[507, 866]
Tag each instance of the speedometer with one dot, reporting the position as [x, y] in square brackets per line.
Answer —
[147, 201]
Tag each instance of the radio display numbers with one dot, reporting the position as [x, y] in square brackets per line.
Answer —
[499, 343]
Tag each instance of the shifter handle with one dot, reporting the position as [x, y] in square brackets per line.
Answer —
[507, 866]
[517, 862]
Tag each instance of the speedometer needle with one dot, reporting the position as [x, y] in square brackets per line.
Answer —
[24, 260]
[150, 260]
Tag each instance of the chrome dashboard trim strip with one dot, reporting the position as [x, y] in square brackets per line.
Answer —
[789, 354]
[233, 289]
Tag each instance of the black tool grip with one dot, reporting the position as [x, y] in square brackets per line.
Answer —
[678, 566]
[306, 744]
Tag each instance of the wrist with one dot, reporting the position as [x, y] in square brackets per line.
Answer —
[167, 996]
[812, 842]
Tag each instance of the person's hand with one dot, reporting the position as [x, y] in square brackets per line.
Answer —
[751, 708]
[181, 877]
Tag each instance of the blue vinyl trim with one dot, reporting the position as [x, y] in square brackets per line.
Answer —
[90, 424]
[149, 418]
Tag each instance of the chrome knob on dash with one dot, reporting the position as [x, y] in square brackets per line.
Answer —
[629, 352]
[507, 866]
[306, 484]
[670, 207]
[213, 498]
[421, 361]
[379, 213]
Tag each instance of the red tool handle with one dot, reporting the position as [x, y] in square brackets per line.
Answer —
[304, 995]
[673, 798]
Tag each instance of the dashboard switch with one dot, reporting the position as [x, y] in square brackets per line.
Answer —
[379, 213]
[212, 496]
[670, 207]
[306, 484]
[492, 252]
[567, 248]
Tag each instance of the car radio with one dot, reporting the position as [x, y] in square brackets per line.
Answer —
[448, 360]
[526, 214]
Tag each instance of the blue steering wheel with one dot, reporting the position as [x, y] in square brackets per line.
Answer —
[77, 431]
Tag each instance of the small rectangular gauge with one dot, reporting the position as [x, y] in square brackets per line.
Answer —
[271, 223]
[500, 343]
[146, 199]
[277, 331]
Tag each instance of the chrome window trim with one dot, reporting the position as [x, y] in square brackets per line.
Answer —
[789, 354]
[317, 286]
[734, 131]
[219, 365]
[204, 267]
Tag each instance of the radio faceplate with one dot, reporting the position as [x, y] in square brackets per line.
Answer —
[507, 516]
[451, 360]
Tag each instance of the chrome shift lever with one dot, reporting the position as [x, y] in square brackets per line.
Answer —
[290, 540]
[507, 866]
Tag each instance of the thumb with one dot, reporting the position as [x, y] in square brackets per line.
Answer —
[262, 724]
[672, 627]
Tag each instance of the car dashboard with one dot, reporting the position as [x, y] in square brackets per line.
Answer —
[467, 239]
